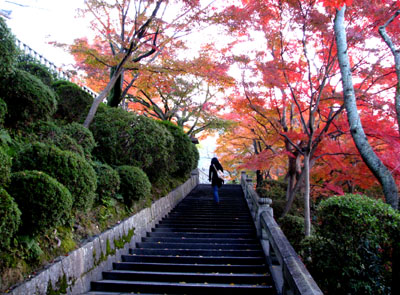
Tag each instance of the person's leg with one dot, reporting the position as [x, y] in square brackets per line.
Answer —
[215, 191]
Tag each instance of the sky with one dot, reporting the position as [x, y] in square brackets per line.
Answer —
[38, 22]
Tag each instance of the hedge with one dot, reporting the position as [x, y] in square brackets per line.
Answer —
[10, 218]
[135, 184]
[68, 168]
[125, 138]
[42, 200]
[8, 49]
[352, 249]
[27, 98]
[73, 102]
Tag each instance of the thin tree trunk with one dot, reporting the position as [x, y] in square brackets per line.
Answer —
[307, 215]
[368, 155]
[115, 95]
[396, 55]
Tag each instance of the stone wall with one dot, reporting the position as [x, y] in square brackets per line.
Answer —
[72, 274]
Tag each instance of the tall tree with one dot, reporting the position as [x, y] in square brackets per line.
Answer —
[131, 35]
[381, 172]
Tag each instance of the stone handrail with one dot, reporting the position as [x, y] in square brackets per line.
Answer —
[290, 275]
[44, 61]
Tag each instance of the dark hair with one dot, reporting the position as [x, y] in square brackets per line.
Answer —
[214, 161]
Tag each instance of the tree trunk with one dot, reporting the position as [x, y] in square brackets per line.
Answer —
[115, 95]
[307, 215]
[396, 55]
[368, 155]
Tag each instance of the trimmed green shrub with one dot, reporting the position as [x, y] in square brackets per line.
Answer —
[276, 190]
[8, 49]
[293, 228]
[196, 153]
[38, 70]
[5, 167]
[42, 200]
[73, 102]
[184, 155]
[135, 184]
[108, 181]
[27, 98]
[82, 135]
[351, 251]
[10, 218]
[68, 168]
[50, 133]
[3, 111]
[125, 138]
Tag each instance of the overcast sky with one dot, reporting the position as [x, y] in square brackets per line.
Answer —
[38, 22]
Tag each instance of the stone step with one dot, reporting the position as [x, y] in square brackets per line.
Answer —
[195, 259]
[204, 230]
[178, 267]
[189, 277]
[209, 246]
[206, 225]
[184, 235]
[198, 252]
[213, 240]
[180, 287]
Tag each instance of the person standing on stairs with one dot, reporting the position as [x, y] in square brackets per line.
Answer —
[216, 182]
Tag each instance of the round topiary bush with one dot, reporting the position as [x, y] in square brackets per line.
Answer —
[50, 133]
[293, 228]
[42, 200]
[3, 111]
[38, 70]
[68, 168]
[10, 218]
[352, 249]
[82, 135]
[73, 102]
[27, 98]
[184, 151]
[5, 167]
[108, 181]
[8, 49]
[125, 138]
[135, 184]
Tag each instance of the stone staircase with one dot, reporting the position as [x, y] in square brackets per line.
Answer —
[198, 248]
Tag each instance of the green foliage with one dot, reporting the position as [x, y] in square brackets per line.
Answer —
[196, 153]
[42, 200]
[5, 167]
[50, 133]
[184, 151]
[8, 49]
[82, 135]
[108, 181]
[351, 251]
[293, 228]
[276, 190]
[3, 111]
[135, 184]
[73, 102]
[38, 70]
[10, 218]
[68, 168]
[125, 138]
[27, 98]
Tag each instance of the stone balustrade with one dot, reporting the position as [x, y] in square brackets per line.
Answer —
[289, 273]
